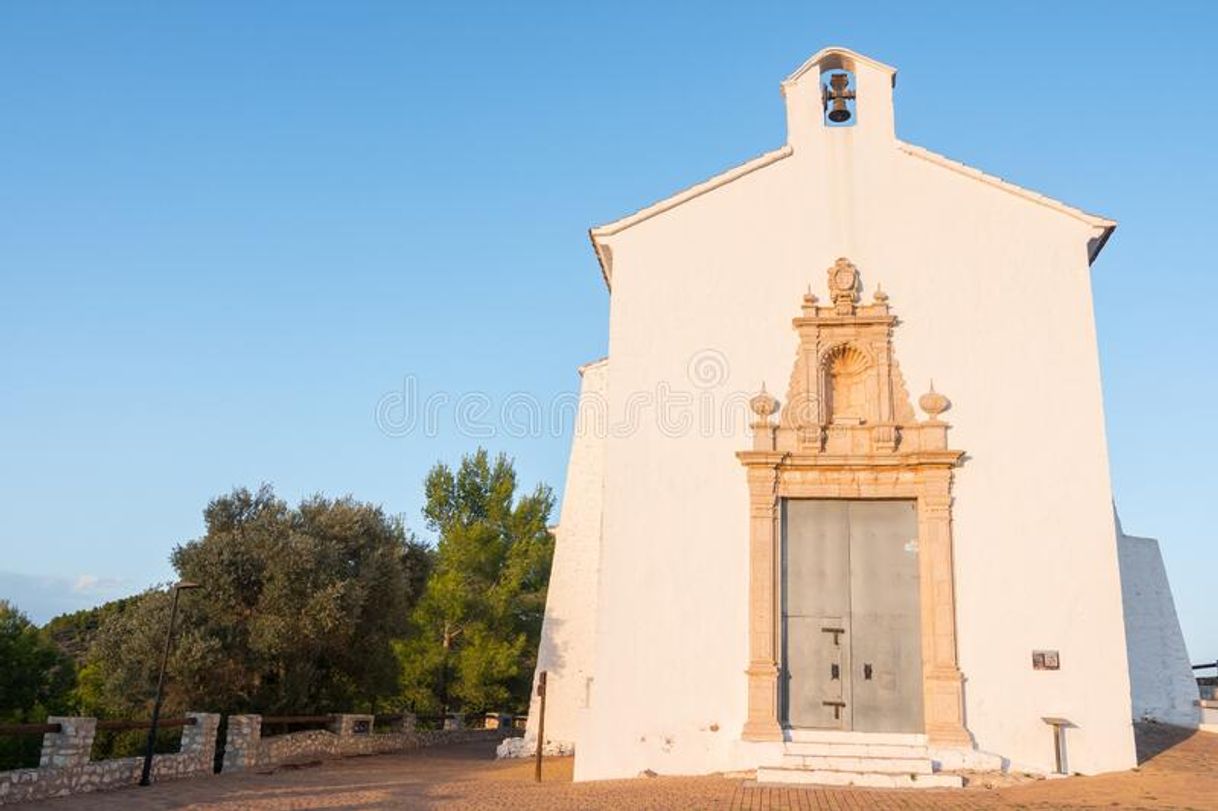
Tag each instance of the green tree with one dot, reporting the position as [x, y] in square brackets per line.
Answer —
[476, 629]
[36, 680]
[74, 632]
[295, 614]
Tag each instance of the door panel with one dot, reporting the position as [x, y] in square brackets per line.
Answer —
[816, 610]
[851, 620]
[885, 616]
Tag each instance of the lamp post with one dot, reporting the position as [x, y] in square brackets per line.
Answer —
[178, 588]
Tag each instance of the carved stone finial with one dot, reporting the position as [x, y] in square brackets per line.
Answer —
[763, 405]
[879, 295]
[934, 403]
[809, 305]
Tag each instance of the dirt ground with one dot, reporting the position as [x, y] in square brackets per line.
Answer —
[1179, 771]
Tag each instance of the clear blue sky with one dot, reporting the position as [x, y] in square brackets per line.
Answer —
[228, 229]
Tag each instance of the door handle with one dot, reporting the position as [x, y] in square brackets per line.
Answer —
[867, 672]
[835, 672]
[837, 706]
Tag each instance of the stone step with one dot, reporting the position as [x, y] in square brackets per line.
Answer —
[837, 749]
[827, 777]
[833, 763]
[843, 736]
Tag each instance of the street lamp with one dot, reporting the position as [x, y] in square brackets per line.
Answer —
[178, 588]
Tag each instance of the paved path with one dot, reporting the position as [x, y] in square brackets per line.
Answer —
[465, 776]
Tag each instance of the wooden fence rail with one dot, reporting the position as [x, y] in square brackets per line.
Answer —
[122, 725]
[29, 729]
[117, 725]
[164, 723]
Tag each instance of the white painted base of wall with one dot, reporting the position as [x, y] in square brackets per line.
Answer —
[966, 760]
[526, 747]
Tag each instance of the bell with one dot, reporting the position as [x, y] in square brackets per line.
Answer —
[837, 93]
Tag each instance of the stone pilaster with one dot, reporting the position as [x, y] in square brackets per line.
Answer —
[71, 745]
[242, 742]
[348, 725]
[942, 682]
[498, 720]
[762, 721]
[199, 738]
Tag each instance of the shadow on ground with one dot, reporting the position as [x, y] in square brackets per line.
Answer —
[1153, 740]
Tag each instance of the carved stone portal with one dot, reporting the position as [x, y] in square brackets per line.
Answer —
[848, 430]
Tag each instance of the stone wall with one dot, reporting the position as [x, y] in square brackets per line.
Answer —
[1209, 715]
[1160, 673]
[65, 768]
[348, 735]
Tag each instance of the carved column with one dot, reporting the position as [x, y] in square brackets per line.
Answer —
[943, 685]
[762, 722]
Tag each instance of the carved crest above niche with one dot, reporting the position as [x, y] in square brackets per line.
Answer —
[846, 395]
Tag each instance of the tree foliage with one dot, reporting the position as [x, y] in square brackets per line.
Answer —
[328, 606]
[295, 614]
[74, 633]
[36, 680]
[475, 631]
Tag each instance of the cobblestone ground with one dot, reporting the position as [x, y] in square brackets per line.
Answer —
[1178, 772]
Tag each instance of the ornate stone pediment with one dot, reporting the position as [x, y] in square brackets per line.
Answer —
[846, 395]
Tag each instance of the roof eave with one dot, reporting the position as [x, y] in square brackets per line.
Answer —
[601, 232]
[1097, 244]
[604, 257]
[1103, 225]
[834, 50]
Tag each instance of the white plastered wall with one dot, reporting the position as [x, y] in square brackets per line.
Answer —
[566, 652]
[993, 294]
[1160, 672]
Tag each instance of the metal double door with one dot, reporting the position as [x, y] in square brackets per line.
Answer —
[851, 615]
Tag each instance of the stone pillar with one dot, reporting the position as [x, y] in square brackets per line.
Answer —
[71, 745]
[199, 739]
[498, 720]
[242, 742]
[454, 720]
[762, 721]
[942, 682]
[406, 724]
[350, 724]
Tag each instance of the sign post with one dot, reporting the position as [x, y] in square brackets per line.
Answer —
[541, 723]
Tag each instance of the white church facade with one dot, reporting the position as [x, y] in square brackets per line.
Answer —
[780, 542]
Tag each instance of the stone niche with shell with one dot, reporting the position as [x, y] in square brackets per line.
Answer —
[846, 396]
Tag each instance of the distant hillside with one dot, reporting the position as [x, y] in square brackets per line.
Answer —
[74, 632]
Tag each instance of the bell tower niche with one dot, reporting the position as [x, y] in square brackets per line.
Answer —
[839, 94]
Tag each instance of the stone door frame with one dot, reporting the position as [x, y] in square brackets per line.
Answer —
[886, 453]
[774, 476]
